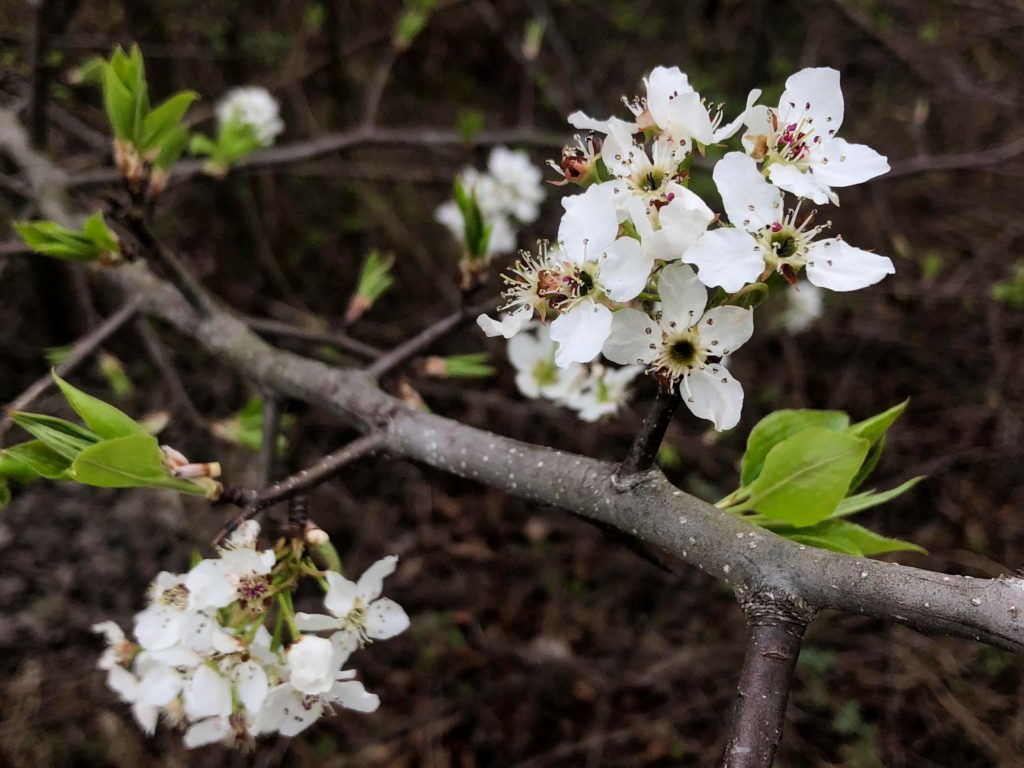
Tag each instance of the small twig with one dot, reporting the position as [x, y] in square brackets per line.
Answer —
[959, 161]
[172, 266]
[155, 350]
[375, 91]
[337, 339]
[644, 450]
[40, 89]
[426, 338]
[255, 502]
[268, 439]
[775, 630]
[81, 351]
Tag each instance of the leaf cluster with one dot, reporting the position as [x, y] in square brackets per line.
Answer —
[93, 242]
[801, 474]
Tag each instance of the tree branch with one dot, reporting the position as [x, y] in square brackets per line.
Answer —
[336, 142]
[774, 631]
[268, 436]
[299, 483]
[425, 338]
[343, 341]
[644, 450]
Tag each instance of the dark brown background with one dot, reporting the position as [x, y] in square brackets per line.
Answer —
[535, 640]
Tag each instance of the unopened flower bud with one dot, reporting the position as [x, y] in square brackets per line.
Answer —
[315, 536]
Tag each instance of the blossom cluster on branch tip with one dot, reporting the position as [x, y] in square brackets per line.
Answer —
[203, 658]
[591, 390]
[252, 105]
[637, 252]
[509, 194]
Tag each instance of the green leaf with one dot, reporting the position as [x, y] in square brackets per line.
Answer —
[127, 462]
[805, 476]
[875, 427]
[874, 456]
[119, 103]
[37, 458]
[96, 229]
[778, 426]
[861, 501]
[844, 536]
[62, 436]
[103, 419]
[171, 147]
[165, 118]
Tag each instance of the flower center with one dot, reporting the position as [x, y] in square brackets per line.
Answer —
[680, 353]
[545, 373]
[563, 284]
[176, 596]
[786, 242]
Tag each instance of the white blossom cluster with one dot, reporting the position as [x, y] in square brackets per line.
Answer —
[509, 194]
[637, 251]
[592, 390]
[252, 105]
[203, 658]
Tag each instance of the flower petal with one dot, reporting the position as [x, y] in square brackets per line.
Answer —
[385, 618]
[729, 130]
[664, 85]
[813, 94]
[723, 330]
[352, 695]
[372, 581]
[316, 622]
[800, 183]
[683, 296]
[580, 333]
[589, 224]
[713, 394]
[207, 694]
[508, 326]
[158, 626]
[838, 266]
[526, 349]
[624, 269]
[341, 594]
[633, 335]
[252, 685]
[209, 731]
[750, 201]
[727, 257]
[841, 164]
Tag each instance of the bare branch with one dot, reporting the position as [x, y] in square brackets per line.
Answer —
[299, 483]
[426, 338]
[343, 341]
[156, 352]
[80, 352]
[644, 450]
[166, 258]
[959, 161]
[774, 631]
[337, 142]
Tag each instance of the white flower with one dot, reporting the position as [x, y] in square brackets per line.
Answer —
[252, 105]
[207, 694]
[311, 664]
[290, 712]
[685, 346]
[595, 264]
[502, 238]
[237, 574]
[763, 236]
[162, 625]
[803, 305]
[532, 354]
[520, 183]
[603, 392]
[678, 110]
[798, 142]
[358, 613]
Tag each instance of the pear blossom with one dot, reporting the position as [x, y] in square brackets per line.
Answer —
[239, 573]
[253, 106]
[595, 264]
[764, 238]
[603, 392]
[804, 304]
[310, 662]
[684, 347]
[358, 614]
[289, 711]
[532, 354]
[797, 140]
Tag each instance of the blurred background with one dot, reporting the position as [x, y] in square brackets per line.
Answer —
[536, 641]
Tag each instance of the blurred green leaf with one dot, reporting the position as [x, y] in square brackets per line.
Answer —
[868, 499]
[778, 426]
[37, 458]
[102, 418]
[64, 437]
[133, 461]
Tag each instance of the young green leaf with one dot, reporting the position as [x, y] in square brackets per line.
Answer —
[172, 145]
[64, 437]
[133, 461]
[165, 118]
[102, 418]
[805, 476]
[861, 501]
[847, 537]
[876, 426]
[35, 459]
[874, 456]
[778, 426]
[119, 103]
